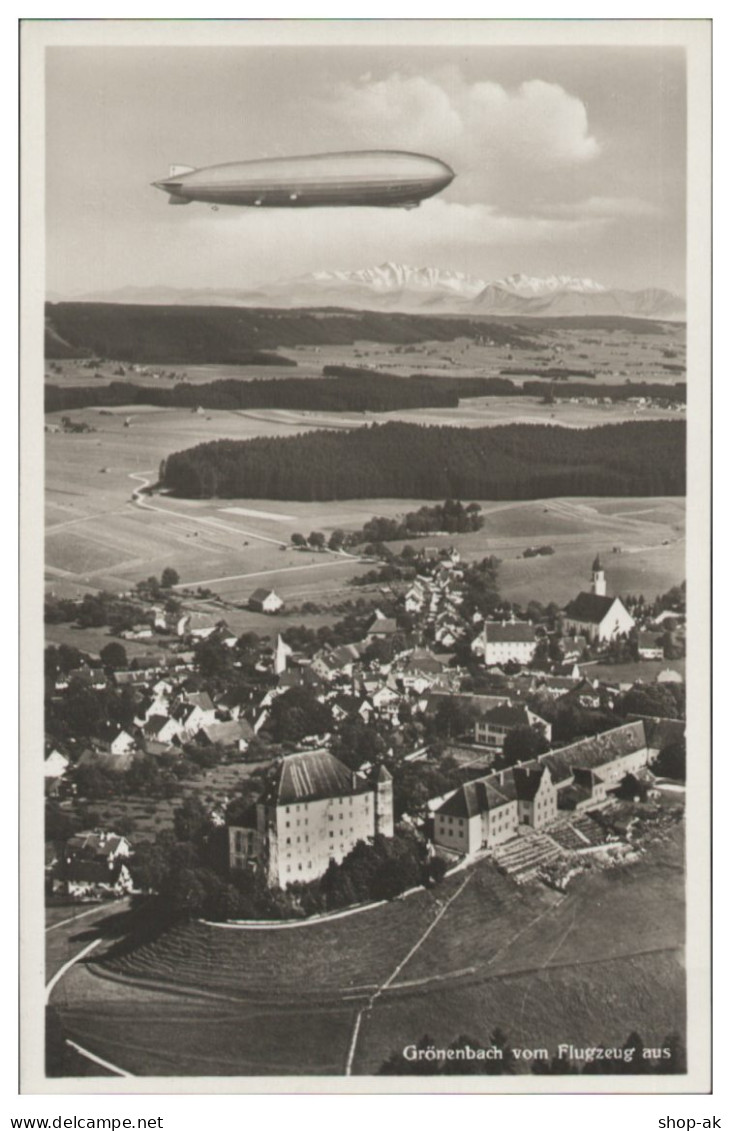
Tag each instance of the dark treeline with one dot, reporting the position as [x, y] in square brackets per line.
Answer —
[341, 389]
[395, 460]
[358, 391]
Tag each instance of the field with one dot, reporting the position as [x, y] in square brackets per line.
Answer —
[98, 536]
[586, 967]
[614, 354]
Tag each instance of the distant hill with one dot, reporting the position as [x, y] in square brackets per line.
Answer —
[236, 335]
[399, 287]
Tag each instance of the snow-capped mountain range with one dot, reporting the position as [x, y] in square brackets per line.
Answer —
[429, 290]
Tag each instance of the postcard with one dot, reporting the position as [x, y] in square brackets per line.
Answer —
[365, 428]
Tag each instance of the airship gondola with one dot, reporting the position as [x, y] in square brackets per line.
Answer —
[377, 178]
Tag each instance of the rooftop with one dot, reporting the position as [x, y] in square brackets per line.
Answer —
[310, 775]
[589, 607]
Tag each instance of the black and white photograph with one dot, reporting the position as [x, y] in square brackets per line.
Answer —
[365, 425]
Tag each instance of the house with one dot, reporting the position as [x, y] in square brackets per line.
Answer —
[595, 615]
[314, 810]
[121, 743]
[93, 879]
[265, 601]
[503, 642]
[333, 663]
[190, 719]
[162, 729]
[480, 814]
[381, 628]
[55, 765]
[492, 728]
[649, 646]
[415, 598]
[99, 845]
[204, 703]
[237, 732]
[536, 794]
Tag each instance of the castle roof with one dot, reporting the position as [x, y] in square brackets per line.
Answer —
[310, 775]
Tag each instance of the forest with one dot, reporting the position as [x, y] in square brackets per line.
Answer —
[396, 460]
[353, 390]
[340, 389]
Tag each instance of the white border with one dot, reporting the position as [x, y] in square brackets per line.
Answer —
[695, 35]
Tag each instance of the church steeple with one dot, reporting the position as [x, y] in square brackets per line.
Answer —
[598, 580]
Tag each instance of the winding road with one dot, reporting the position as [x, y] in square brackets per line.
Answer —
[332, 558]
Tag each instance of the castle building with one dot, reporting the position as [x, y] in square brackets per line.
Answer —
[314, 810]
[595, 615]
[484, 813]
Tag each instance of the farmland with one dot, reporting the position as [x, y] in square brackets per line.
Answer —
[97, 537]
[585, 967]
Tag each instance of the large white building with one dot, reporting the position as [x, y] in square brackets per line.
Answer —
[482, 814]
[503, 642]
[314, 811]
[595, 615]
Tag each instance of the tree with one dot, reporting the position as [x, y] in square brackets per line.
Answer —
[316, 540]
[299, 540]
[114, 655]
[453, 717]
[524, 743]
[670, 762]
[169, 578]
[658, 700]
[296, 714]
[336, 540]
[59, 825]
[191, 820]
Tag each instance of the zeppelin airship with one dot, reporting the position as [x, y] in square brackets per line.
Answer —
[377, 178]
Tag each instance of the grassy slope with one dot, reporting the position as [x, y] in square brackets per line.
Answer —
[586, 969]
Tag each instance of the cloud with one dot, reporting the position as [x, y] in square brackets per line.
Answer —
[241, 245]
[482, 126]
[604, 208]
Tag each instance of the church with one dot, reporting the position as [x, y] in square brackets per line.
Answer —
[595, 615]
[314, 810]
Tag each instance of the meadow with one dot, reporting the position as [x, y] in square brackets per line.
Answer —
[97, 536]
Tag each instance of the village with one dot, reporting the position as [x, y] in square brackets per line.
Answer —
[433, 712]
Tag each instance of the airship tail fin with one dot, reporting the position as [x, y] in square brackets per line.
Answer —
[178, 170]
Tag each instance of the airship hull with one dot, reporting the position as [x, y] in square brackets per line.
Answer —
[379, 178]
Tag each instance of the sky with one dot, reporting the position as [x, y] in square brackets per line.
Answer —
[569, 160]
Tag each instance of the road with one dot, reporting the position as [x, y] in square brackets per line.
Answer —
[137, 497]
[67, 938]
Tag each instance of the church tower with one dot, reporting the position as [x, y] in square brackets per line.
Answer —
[598, 580]
[384, 802]
[281, 654]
